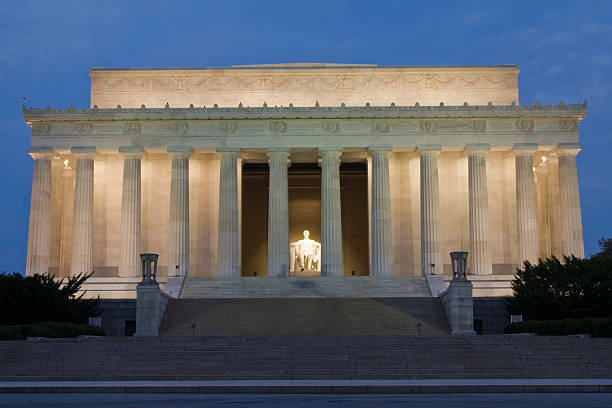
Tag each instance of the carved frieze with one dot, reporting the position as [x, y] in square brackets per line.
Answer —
[180, 127]
[131, 129]
[228, 128]
[478, 125]
[83, 128]
[380, 127]
[41, 129]
[279, 82]
[568, 125]
[331, 126]
[428, 126]
[524, 125]
[278, 127]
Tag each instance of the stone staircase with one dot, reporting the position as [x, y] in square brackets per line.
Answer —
[304, 316]
[306, 287]
[311, 357]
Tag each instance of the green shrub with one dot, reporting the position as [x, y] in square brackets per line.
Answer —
[551, 289]
[42, 298]
[48, 329]
[595, 326]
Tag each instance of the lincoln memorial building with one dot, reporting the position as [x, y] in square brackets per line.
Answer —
[303, 170]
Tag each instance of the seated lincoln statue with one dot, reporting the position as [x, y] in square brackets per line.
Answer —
[305, 254]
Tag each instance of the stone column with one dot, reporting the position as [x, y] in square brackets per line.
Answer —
[430, 211]
[67, 220]
[331, 221]
[129, 261]
[381, 213]
[178, 240]
[82, 244]
[278, 215]
[541, 182]
[39, 233]
[526, 203]
[554, 212]
[572, 242]
[228, 214]
[480, 251]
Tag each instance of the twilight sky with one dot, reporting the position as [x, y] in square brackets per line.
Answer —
[564, 50]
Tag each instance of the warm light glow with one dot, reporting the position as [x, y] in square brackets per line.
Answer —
[66, 163]
[543, 159]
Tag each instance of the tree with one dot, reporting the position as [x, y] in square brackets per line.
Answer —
[606, 248]
[551, 289]
[42, 298]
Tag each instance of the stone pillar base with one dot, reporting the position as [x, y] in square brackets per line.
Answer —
[150, 307]
[457, 301]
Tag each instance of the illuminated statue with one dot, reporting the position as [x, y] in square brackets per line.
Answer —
[305, 254]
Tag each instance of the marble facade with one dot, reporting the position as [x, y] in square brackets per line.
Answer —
[454, 162]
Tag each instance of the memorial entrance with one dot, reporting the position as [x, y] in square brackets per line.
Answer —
[304, 207]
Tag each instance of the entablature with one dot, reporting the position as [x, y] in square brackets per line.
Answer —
[310, 127]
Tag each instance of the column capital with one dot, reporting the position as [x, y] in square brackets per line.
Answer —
[179, 151]
[330, 152]
[84, 152]
[229, 150]
[380, 151]
[135, 152]
[477, 148]
[41, 152]
[524, 149]
[277, 153]
[429, 149]
[568, 149]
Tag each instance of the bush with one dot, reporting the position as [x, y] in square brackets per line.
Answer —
[576, 288]
[596, 327]
[48, 329]
[42, 298]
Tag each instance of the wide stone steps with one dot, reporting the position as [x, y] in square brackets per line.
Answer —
[306, 287]
[304, 316]
[312, 357]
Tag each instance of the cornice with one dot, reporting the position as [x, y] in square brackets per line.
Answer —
[576, 112]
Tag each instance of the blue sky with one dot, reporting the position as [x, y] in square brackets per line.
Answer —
[564, 50]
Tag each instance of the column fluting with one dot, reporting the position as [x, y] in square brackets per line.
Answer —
[278, 214]
[39, 234]
[480, 250]
[331, 218]
[541, 183]
[431, 258]
[82, 227]
[178, 229]
[554, 214]
[526, 203]
[381, 213]
[572, 242]
[129, 261]
[229, 250]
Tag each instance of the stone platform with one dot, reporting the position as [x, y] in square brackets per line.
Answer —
[306, 287]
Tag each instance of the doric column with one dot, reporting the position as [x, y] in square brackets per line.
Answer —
[431, 258]
[541, 182]
[480, 251]
[67, 219]
[39, 233]
[129, 262]
[178, 229]
[526, 203]
[82, 257]
[228, 214]
[572, 242]
[278, 215]
[554, 212]
[381, 213]
[331, 221]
